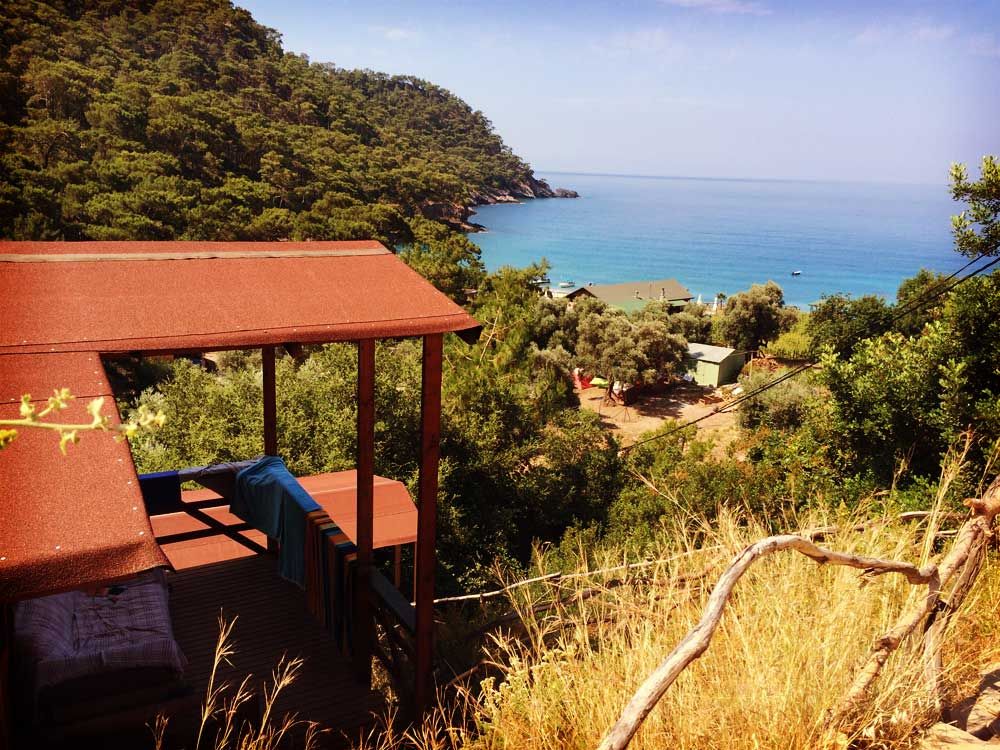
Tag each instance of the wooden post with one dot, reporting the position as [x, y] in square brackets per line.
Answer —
[270, 403]
[363, 624]
[430, 434]
[270, 415]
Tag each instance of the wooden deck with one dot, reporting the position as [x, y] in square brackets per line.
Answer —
[272, 620]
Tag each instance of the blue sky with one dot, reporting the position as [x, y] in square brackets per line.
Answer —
[890, 91]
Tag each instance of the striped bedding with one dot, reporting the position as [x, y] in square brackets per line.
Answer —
[65, 637]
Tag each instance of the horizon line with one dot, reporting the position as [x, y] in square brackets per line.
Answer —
[732, 179]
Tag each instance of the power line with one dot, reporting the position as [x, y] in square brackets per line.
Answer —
[937, 290]
[911, 306]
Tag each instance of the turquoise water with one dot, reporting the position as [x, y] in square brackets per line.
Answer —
[723, 235]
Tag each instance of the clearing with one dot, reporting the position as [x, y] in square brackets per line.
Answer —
[682, 403]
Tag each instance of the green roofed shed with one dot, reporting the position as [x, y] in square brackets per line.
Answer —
[634, 295]
[713, 365]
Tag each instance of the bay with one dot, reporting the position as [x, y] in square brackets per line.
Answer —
[717, 235]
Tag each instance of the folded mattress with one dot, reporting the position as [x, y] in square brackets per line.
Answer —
[87, 645]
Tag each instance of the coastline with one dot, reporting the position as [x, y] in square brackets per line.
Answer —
[457, 215]
[722, 236]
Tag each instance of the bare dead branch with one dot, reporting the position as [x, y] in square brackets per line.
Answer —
[960, 567]
[697, 640]
[971, 544]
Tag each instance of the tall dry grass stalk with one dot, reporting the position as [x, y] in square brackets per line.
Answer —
[790, 643]
[223, 709]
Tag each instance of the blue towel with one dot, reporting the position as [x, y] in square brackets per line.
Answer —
[271, 500]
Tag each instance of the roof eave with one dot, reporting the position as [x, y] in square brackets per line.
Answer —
[463, 325]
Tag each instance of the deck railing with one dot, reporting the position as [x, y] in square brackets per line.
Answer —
[395, 620]
[392, 615]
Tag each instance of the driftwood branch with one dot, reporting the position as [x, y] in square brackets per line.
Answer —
[697, 640]
[959, 569]
[973, 552]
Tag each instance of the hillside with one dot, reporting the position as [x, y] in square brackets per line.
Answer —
[790, 644]
[176, 119]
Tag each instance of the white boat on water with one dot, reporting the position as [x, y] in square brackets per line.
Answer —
[566, 284]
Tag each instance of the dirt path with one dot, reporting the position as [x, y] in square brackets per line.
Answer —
[682, 403]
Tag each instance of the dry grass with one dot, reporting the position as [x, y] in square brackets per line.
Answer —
[789, 645]
[223, 722]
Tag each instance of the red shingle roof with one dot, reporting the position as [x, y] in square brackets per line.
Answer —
[171, 296]
[66, 522]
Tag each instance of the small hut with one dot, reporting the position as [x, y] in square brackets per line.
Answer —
[713, 365]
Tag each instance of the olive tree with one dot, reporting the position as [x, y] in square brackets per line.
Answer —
[753, 317]
[627, 351]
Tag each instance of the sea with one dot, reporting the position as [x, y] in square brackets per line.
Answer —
[722, 235]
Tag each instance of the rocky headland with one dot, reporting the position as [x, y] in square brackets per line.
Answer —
[457, 215]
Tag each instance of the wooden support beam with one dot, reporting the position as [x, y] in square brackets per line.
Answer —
[430, 435]
[397, 565]
[363, 623]
[270, 416]
[270, 403]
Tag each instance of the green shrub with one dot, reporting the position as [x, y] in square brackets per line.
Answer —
[782, 407]
[793, 344]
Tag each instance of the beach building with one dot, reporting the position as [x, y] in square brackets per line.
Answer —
[143, 565]
[633, 295]
[713, 365]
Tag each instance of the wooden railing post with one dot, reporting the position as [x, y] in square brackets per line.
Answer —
[363, 623]
[397, 565]
[270, 402]
[270, 415]
[430, 433]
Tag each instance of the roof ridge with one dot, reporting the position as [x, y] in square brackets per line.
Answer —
[190, 255]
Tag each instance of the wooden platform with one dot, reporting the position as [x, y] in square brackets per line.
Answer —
[202, 512]
[272, 620]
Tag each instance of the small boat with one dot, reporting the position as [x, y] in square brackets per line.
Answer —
[566, 284]
[796, 273]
